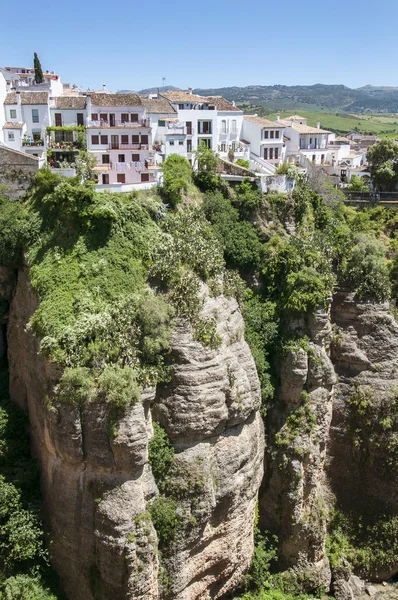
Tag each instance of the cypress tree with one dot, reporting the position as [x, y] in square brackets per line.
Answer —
[38, 70]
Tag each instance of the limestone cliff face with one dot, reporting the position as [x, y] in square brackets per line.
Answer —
[293, 498]
[97, 487]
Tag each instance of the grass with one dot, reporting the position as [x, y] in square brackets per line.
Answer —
[385, 125]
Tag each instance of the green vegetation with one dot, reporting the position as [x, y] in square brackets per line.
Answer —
[24, 571]
[383, 165]
[241, 162]
[177, 175]
[380, 125]
[39, 78]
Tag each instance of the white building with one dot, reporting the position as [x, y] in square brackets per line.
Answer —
[203, 120]
[305, 143]
[119, 136]
[27, 116]
[163, 118]
[266, 139]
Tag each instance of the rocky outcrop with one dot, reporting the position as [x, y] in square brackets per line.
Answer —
[293, 498]
[98, 486]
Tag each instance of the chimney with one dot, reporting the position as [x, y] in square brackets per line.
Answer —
[104, 86]
[88, 106]
[318, 125]
[233, 103]
[278, 117]
[19, 107]
[291, 122]
[190, 90]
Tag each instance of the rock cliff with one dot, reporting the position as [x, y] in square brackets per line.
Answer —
[98, 485]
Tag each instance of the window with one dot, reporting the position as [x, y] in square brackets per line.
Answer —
[271, 153]
[105, 179]
[95, 140]
[105, 159]
[144, 176]
[135, 139]
[223, 126]
[134, 117]
[121, 178]
[162, 123]
[189, 127]
[204, 127]
[180, 107]
[125, 139]
[189, 145]
[35, 115]
[94, 116]
[135, 157]
[58, 119]
[11, 136]
[180, 142]
[223, 147]
[121, 158]
[313, 158]
[271, 134]
[36, 134]
[206, 141]
[266, 134]
[265, 153]
[234, 128]
[13, 113]
[104, 139]
[144, 139]
[124, 117]
[277, 134]
[63, 136]
[276, 153]
[171, 142]
[103, 117]
[322, 158]
[80, 119]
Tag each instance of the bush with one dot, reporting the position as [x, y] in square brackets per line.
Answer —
[160, 455]
[366, 269]
[177, 175]
[119, 386]
[76, 387]
[243, 163]
[165, 519]
[24, 587]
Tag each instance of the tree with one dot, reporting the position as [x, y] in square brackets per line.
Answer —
[206, 162]
[358, 184]
[38, 70]
[177, 175]
[383, 165]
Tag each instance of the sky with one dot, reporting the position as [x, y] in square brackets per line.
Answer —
[207, 43]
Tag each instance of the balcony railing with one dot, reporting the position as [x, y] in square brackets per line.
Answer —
[115, 146]
[33, 142]
[124, 124]
[68, 146]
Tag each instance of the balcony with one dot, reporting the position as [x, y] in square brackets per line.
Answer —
[119, 146]
[63, 146]
[32, 143]
[121, 124]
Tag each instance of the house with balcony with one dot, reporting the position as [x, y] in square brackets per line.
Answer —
[119, 135]
[304, 143]
[27, 116]
[207, 120]
[160, 113]
[266, 141]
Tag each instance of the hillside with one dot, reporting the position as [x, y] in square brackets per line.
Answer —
[318, 96]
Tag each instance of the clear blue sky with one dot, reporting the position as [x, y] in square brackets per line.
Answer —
[207, 43]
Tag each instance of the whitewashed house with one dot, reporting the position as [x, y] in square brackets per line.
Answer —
[164, 124]
[266, 140]
[119, 136]
[212, 121]
[27, 116]
[305, 143]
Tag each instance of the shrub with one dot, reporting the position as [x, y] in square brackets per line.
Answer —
[119, 386]
[165, 519]
[177, 175]
[243, 163]
[160, 455]
[24, 587]
[76, 386]
[366, 269]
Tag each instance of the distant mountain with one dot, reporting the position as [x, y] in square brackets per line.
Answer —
[318, 97]
[165, 88]
[127, 92]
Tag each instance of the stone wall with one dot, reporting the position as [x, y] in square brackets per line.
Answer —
[16, 172]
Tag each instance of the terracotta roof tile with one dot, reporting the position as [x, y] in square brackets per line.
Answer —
[115, 99]
[186, 97]
[27, 98]
[70, 102]
[264, 122]
[158, 105]
[10, 125]
[222, 104]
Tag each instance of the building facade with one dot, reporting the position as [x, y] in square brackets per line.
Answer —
[266, 139]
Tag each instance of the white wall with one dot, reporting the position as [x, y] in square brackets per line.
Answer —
[16, 143]
[3, 93]
[69, 116]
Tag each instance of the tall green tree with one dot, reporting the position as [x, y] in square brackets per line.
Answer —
[383, 165]
[38, 70]
[177, 175]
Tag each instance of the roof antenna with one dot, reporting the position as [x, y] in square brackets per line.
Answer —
[163, 81]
